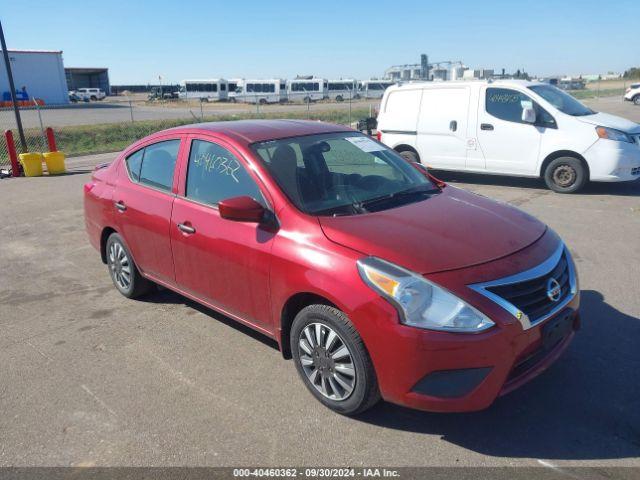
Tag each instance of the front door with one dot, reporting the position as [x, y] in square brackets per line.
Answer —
[442, 127]
[143, 199]
[222, 262]
[508, 144]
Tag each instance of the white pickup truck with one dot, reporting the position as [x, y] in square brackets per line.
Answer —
[88, 94]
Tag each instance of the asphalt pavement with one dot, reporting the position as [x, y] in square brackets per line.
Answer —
[88, 377]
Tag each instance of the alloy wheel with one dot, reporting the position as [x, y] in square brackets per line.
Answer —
[120, 265]
[327, 361]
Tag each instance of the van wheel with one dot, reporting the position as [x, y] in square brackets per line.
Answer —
[94, 98]
[263, 101]
[125, 275]
[339, 98]
[409, 156]
[332, 360]
[565, 175]
[636, 100]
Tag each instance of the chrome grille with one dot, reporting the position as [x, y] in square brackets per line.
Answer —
[525, 294]
[530, 296]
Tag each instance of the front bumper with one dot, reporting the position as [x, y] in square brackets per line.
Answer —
[613, 161]
[453, 372]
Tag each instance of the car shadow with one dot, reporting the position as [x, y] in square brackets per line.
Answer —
[165, 296]
[625, 189]
[584, 407]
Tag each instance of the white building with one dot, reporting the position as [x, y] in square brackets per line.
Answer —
[39, 73]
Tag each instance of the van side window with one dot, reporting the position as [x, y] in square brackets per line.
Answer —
[215, 174]
[158, 164]
[507, 104]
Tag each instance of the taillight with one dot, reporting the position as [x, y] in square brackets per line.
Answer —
[379, 136]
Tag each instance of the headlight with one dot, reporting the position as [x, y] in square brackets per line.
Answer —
[612, 134]
[421, 303]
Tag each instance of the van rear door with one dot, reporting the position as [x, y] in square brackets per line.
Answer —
[442, 127]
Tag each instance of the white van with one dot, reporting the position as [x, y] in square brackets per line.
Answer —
[261, 91]
[307, 89]
[340, 90]
[211, 90]
[509, 127]
[374, 88]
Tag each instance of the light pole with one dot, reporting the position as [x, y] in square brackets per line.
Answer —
[12, 87]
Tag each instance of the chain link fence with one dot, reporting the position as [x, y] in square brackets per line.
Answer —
[114, 123]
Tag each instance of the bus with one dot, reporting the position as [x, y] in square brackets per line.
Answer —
[340, 90]
[374, 88]
[307, 89]
[210, 90]
[272, 90]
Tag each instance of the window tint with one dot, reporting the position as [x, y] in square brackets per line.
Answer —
[159, 163]
[134, 162]
[215, 174]
[507, 104]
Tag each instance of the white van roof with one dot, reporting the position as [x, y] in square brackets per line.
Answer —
[423, 84]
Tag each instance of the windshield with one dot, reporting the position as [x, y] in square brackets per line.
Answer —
[342, 174]
[562, 100]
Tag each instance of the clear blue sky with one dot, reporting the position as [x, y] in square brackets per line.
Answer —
[139, 40]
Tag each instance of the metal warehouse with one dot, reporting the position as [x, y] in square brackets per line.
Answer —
[88, 78]
[37, 74]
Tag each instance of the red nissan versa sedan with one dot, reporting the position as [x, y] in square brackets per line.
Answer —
[379, 280]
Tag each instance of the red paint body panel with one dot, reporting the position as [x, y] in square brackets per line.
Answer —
[249, 271]
[452, 230]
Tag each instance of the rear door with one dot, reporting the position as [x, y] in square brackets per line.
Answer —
[143, 200]
[442, 127]
[222, 262]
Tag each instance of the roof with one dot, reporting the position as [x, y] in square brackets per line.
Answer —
[507, 82]
[250, 131]
[85, 69]
[11, 50]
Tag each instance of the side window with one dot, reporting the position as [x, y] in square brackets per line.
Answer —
[215, 174]
[158, 164]
[506, 104]
[134, 162]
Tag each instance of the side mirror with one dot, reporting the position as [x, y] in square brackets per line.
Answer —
[241, 209]
[528, 115]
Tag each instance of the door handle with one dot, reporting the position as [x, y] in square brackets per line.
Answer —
[186, 228]
[120, 206]
[486, 126]
[453, 125]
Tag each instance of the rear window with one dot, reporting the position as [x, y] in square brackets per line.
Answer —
[154, 165]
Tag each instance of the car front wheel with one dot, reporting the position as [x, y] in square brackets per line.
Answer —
[565, 175]
[636, 100]
[123, 271]
[332, 360]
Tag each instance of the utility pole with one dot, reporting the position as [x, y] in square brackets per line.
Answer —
[12, 87]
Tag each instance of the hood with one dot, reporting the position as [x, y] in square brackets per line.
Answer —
[453, 229]
[611, 121]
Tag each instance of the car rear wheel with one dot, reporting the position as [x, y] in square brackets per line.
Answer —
[332, 360]
[123, 271]
[565, 175]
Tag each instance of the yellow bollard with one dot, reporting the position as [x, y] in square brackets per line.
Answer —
[31, 164]
[55, 162]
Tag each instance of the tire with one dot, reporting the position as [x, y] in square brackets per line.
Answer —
[565, 175]
[410, 156]
[339, 98]
[93, 98]
[119, 262]
[262, 101]
[233, 100]
[349, 382]
[636, 100]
